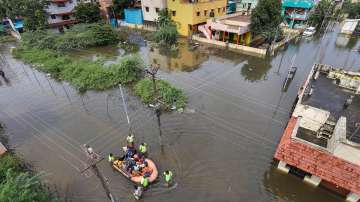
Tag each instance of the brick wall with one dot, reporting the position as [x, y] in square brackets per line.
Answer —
[320, 163]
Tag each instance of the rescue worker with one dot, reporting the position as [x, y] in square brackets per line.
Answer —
[138, 192]
[143, 148]
[130, 140]
[111, 158]
[168, 175]
[144, 182]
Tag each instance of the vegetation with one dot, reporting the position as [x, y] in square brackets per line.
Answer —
[83, 74]
[17, 184]
[167, 93]
[266, 18]
[78, 37]
[322, 11]
[87, 12]
[32, 11]
[167, 33]
[352, 9]
[129, 47]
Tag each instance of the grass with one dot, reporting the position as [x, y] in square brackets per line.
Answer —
[168, 94]
[83, 74]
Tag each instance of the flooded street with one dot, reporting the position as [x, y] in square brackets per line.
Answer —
[220, 148]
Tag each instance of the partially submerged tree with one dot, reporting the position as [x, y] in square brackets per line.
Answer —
[87, 12]
[266, 18]
[321, 14]
[167, 33]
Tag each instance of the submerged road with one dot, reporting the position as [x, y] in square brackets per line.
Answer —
[220, 148]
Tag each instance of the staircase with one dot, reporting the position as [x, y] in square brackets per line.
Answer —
[205, 30]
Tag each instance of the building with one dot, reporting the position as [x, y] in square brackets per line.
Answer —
[321, 142]
[61, 14]
[151, 8]
[296, 12]
[233, 28]
[105, 9]
[189, 14]
[246, 6]
[350, 26]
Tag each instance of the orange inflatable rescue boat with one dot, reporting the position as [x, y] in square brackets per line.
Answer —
[136, 177]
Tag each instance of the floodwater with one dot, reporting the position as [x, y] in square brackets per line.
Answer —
[220, 148]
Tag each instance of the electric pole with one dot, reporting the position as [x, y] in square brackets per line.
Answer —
[92, 160]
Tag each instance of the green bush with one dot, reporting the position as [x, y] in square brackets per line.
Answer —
[78, 37]
[83, 74]
[22, 187]
[9, 161]
[168, 94]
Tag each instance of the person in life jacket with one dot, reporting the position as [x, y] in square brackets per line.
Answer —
[144, 182]
[111, 158]
[138, 192]
[168, 175]
[143, 148]
[130, 140]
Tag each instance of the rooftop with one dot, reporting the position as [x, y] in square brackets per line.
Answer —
[330, 97]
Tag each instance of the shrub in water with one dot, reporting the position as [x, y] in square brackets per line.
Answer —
[168, 94]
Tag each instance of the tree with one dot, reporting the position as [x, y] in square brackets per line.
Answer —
[87, 12]
[352, 9]
[167, 33]
[31, 10]
[322, 10]
[266, 18]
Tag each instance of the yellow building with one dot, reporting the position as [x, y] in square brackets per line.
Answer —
[188, 14]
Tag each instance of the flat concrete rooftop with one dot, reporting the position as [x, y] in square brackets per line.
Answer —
[330, 97]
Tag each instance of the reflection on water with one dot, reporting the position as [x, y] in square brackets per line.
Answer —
[183, 59]
[255, 69]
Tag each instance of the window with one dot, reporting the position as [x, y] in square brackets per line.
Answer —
[71, 1]
[173, 13]
[65, 17]
[61, 4]
[219, 9]
[147, 9]
[157, 10]
[205, 12]
[224, 9]
[53, 17]
[198, 13]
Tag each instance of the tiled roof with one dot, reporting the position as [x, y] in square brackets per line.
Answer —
[317, 162]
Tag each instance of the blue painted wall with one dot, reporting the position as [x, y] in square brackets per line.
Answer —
[134, 16]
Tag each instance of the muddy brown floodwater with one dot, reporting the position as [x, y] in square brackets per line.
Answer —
[220, 148]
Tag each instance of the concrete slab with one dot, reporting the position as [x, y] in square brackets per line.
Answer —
[313, 180]
[353, 197]
[282, 167]
[348, 153]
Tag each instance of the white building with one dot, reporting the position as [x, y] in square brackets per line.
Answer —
[151, 8]
[61, 13]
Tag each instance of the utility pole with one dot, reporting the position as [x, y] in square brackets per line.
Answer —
[93, 159]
